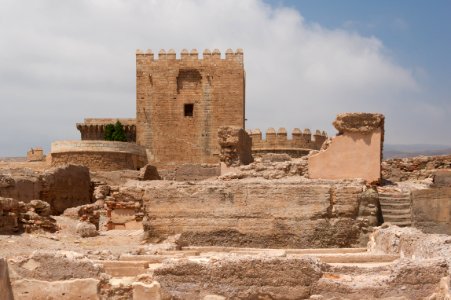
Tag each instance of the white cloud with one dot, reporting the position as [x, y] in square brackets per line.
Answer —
[61, 61]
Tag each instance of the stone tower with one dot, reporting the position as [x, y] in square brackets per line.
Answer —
[181, 103]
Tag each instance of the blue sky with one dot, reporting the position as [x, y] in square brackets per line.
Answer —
[416, 33]
[305, 61]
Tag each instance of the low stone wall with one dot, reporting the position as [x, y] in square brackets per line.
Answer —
[431, 210]
[252, 213]
[414, 168]
[99, 155]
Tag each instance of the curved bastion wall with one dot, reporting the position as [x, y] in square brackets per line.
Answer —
[99, 155]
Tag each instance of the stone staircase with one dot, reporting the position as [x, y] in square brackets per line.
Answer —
[396, 207]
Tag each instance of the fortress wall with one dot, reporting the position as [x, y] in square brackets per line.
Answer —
[182, 102]
[253, 213]
[298, 145]
[99, 155]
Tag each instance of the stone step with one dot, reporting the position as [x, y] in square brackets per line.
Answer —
[391, 219]
[204, 249]
[352, 258]
[401, 223]
[118, 268]
[384, 199]
[394, 195]
[396, 211]
[395, 205]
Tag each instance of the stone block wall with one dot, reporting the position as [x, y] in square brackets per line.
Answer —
[99, 155]
[299, 145]
[253, 213]
[181, 103]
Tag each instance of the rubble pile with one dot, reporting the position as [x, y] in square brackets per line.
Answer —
[414, 168]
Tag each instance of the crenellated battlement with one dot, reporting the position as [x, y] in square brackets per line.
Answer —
[148, 56]
[300, 142]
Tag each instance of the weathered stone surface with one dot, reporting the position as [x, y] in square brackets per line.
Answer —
[267, 169]
[253, 213]
[5, 284]
[358, 122]
[410, 243]
[146, 291]
[414, 168]
[51, 266]
[86, 229]
[403, 279]
[16, 216]
[431, 210]
[61, 187]
[149, 172]
[235, 146]
[239, 278]
[9, 214]
[66, 186]
[442, 178]
[32, 289]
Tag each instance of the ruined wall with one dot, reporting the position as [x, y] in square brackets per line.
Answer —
[99, 155]
[299, 145]
[235, 146]
[414, 168]
[61, 187]
[355, 153]
[94, 129]
[181, 103]
[252, 213]
[35, 154]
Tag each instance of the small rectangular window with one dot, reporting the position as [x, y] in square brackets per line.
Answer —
[189, 110]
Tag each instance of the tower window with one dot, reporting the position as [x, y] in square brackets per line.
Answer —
[189, 109]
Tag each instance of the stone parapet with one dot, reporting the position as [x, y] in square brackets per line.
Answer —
[99, 155]
[94, 129]
[278, 142]
[208, 56]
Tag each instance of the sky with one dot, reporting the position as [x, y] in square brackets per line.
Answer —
[305, 61]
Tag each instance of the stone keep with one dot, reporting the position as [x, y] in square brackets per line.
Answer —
[182, 102]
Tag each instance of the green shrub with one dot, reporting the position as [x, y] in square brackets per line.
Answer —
[109, 130]
[115, 132]
[119, 134]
